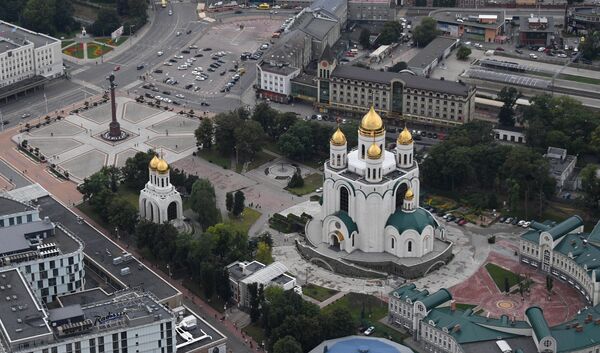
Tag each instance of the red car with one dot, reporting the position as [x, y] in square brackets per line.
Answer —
[462, 222]
[500, 49]
[117, 68]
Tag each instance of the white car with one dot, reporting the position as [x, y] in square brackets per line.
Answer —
[298, 290]
[182, 67]
[526, 224]
[319, 190]
[195, 73]
[178, 56]
[158, 98]
[170, 12]
[178, 34]
[199, 68]
[167, 100]
[179, 95]
[369, 331]
[166, 63]
[467, 43]
[200, 78]
[533, 56]
[541, 49]
[160, 53]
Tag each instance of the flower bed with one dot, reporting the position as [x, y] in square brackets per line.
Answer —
[75, 51]
[95, 50]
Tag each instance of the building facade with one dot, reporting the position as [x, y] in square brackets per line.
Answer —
[349, 89]
[536, 31]
[274, 80]
[243, 274]
[583, 19]
[159, 200]
[483, 27]
[433, 54]
[25, 54]
[371, 10]
[48, 255]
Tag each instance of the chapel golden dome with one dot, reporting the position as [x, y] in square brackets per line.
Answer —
[338, 138]
[154, 162]
[162, 166]
[409, 195]
[371, 124]
[405, 137]
[374, 152]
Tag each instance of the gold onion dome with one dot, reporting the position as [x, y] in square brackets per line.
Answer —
[405, 137]
[154, 162]
[162, 166]
[371, 124]
[374, 152]
[409, 195]
[338, 138]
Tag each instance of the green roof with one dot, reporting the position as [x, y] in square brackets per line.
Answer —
[350, 225]
[409, 291]
[594, 236]
[584, 252]
[569, 340]
[538, 322]
[471, 326]
[532, 235]
[565, 227]
[417, 220]
[437, 298]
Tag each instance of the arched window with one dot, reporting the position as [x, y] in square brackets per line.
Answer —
[362, 151]
[409, 245]
[392, 243]
[400, 192]
[352, 240]
[404, 159]
[338, 160]
[344, 199]
[368, 173]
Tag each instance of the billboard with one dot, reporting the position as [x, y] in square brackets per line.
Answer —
[117, 33]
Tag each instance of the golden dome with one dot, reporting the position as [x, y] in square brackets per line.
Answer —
[371, 124]
[154, 162]
[374, 152]
[162, 166]
[405, 137]
[338, 138]
[409, 195]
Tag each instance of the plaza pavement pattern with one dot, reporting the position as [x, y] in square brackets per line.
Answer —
[75, 144]
[560, 307]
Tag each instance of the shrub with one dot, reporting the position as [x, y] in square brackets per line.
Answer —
[492, 239]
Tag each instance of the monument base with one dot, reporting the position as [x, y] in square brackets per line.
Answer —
[108, 136]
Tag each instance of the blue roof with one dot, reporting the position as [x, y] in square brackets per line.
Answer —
[417, 220]
[356, 345]
[347, 220]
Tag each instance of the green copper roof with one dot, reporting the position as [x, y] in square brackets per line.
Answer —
[569, 340]
[417, 220]
[437, 298]
[409, 291]
[532, 235]
[470, 327]
[584, 252]
[350, 225]
[565, 227]
[594, 236]
[538, 322]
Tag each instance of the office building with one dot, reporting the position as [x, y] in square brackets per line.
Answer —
[485, 26]
[372, 10]
[583, 19]
[536, 31]
[562, 165]
[433, 54]
[242, 274]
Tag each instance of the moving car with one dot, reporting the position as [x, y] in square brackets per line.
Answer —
[160, 53]
[117, 68]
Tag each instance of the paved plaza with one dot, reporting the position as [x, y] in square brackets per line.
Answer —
[75, 145]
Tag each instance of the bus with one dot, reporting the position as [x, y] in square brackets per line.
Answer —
[163, 3]
[263, 6]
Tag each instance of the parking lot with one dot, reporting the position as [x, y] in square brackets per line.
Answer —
[206, 66]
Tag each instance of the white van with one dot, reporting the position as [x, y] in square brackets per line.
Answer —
[489, 52]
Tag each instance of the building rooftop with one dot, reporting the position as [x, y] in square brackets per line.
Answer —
[239, 270]
[316, 27]
[570, 340]
[409, 292]
[306, 79]
[6, 45]
[336, 8]
[536, 24]
[470, 18]
[357, 344]
[431, 52]
[15, 239]
[411, 81]
[102, 251]
[21, 315]
[266, 274]
[10, 206]
[21, 36]
[521, 344]
[279, 69]
[84, 297]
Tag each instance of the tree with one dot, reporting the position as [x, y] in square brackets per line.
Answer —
[287, 344]
[205, 134]
[135, 172]
[63, 16]
[238, 203]
[38, 15]
[263, 253]
[228, 243]
[249, 139]
[203, 202]
[463, 52]
[225, 125]
[506, 285]
[113, 175]
[338, 323]
[590, 48]
[229, 201]
[509, 96]
[296, 181]
[254, 302]
[208, 279]
[122, 214]
[590, 184]
[390, 33]
[93, 185]
[266, 117]
[138, 8]
[549, 284]
[399, 66]
[365, 38]
[106, 22]
[425, 32]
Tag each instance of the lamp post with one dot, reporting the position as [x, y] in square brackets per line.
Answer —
[130, 34]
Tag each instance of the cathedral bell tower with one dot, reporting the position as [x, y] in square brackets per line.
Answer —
[327, 64]
[374, 163]
[338, 148]
[404, 149]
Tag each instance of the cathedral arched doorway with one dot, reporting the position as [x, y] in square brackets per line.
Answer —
[172, 211]
[400, 192]
[150, 213]
[336, 238]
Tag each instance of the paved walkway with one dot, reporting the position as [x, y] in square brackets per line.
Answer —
[333, 298]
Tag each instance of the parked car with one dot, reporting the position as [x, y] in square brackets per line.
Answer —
[179, 95]
[369, 331]
[500, 49]
[508, 220]
[518, 51]
[502, 219]
[158, 71]
[117, 68]
[204, 104]
[160, 53]
[526, 224]
[185, 51]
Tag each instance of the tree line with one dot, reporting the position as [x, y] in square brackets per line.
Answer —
[53, 17]
[131, 14]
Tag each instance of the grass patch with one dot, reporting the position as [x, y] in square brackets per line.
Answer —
[75, 51]
[66, 43]
[464, 306]
[256, 332]
[311, 183]
[259, 159]
[132, 196]
[96, 50]
[317, 292]
[384, 331]
[215, 157]
[580, 79]
[498, 274]
[109, 41]
[247, 219]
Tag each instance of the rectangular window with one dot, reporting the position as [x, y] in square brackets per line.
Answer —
[29, 218]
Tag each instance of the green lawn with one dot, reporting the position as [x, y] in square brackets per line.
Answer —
[246, 220]
[215, 157]
[66, 43]
[580, 79]
[256, 332]
[109, 41]
[311, 183]
[96, 50]
[317, 292]
[132, 196]
[259, 159]
[498, 274]
[75, 51]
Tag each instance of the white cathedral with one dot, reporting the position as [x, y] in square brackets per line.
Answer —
[159, 201]
[371, 196]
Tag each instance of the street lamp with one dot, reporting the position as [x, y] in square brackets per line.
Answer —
[130, 34]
